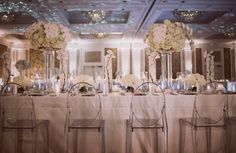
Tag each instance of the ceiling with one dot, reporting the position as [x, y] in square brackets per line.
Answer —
[125, 18]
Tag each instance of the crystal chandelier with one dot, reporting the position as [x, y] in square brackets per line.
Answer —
[8, 10]
[100, 35]
[7, 17]
[96, 16]
[186, 15]
[226, 25]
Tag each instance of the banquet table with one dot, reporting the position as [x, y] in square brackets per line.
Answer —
[116, 109]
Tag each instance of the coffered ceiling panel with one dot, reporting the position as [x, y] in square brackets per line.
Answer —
[128, 18]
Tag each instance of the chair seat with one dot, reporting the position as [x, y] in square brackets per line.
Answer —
[145, 123]
[22, 124]
[203, 122]
[86, 123]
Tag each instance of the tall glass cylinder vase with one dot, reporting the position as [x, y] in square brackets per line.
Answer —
[166, 70]
[49, 68]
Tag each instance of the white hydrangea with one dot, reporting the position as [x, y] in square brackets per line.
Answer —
[47, 35]
[166, 37]
[130, 80]
[194, 79]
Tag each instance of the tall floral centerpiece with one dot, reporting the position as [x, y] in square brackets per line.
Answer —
[164, 39]
[48, 37]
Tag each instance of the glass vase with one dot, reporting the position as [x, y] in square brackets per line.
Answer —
[166, 70]
[49, 69]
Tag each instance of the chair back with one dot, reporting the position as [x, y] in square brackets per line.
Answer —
[83, 102]
[148, 105]
[213, 108]
[15, 107]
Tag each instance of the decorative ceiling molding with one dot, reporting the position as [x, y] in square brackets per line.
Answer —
[129, 17]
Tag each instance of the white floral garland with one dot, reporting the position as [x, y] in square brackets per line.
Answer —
[47, 35]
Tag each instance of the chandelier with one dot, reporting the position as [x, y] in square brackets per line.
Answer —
[186, 15]
[7, 17]
[95, 16]
[9, 10]
[100, 35]
[225, 25]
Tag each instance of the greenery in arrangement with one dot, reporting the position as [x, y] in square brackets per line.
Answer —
[47, 35]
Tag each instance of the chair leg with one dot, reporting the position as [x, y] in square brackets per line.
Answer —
[182, 132]
[166, 140]
[1, 140]
[194, 139]
[103, 138]
[19, 141]
[156, 141]
[75, 141]
[45, 133]
[34, 140]
[228, 138]
[67, 141]
[128, 137]
[208, 139]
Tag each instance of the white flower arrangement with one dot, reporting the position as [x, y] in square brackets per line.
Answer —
[47, 35]
[23, 80]
[169, 37]
[195, 79]
[130, 80]
[166, 37]
[84, 78]
[22, 65]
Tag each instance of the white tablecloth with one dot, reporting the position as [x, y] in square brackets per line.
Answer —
[115, 111]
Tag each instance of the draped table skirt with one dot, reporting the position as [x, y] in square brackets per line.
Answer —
[115, 111]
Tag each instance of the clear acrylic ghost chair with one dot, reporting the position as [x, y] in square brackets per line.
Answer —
[207, 113]
[148, 112]
[84, 112]
[18, 117]
[232, 123]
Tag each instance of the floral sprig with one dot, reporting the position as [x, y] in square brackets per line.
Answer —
[166, 37]
[47, 35]
[154, 56]
[130, 80]
[209, 59]
[22, 65]
[195, 79]
[108, 57]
